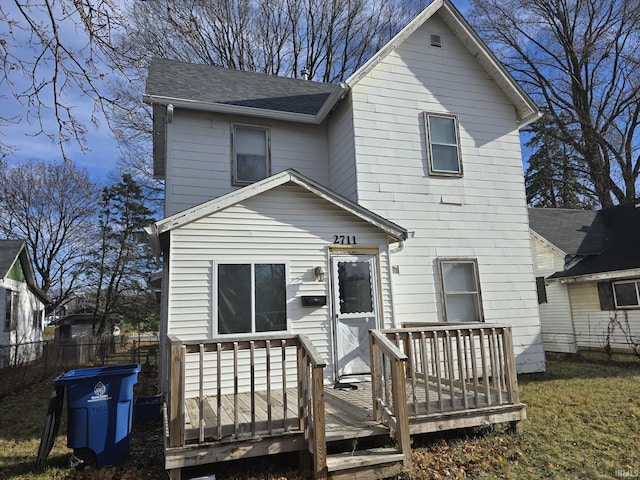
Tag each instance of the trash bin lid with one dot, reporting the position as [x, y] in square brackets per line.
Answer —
[92, 372]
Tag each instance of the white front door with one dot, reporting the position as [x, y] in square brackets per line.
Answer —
[355, 301]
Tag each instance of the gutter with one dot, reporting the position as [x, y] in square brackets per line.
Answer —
[318, 118]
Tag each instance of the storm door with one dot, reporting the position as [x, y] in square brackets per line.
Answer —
[355, 301]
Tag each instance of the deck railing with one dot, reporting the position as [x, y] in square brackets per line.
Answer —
[215, 367]
[457, 367]
[389, 390]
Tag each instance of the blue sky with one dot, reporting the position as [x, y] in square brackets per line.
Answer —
[101, 159]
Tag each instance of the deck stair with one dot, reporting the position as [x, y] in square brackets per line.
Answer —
[381, 462]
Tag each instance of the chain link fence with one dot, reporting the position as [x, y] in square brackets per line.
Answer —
[25, 363]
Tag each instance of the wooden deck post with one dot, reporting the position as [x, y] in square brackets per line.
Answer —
[319, 434]
[399, 392]
[175, 396]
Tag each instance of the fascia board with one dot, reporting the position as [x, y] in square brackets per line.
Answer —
[490, 62]
[547, 243]
[232, 198]
[238, 109]
[215, 205]
[596, 277]
[392, 44]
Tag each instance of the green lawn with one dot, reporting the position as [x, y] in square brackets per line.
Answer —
[584, 422]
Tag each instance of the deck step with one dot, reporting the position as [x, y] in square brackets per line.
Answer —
[367, 464]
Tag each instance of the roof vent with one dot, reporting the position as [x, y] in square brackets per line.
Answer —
[435, 40]
[305, 73]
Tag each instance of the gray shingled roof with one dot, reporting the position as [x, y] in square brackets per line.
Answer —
[575, 232]
[607, 239]
[170, 79]
[9, 251]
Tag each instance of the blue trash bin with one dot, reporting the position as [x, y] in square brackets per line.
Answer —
[100, 407]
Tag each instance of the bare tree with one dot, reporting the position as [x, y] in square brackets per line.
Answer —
[42, 204]
[579, 59]
[329, 39]
[55, 52]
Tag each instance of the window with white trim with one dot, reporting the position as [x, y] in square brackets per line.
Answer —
[626, 293]
[443, 144]
[251, 298]
[460, 286]
[251, 161]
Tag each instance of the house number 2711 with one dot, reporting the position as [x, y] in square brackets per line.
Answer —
[344, 239]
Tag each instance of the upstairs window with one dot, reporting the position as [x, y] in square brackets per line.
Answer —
[460, 288]
[251, 298]
[443, 145]
[626, 294]
[250, 154]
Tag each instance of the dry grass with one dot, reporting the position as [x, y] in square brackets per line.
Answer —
[584, 422]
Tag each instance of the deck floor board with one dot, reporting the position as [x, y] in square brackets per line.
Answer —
[348, 412]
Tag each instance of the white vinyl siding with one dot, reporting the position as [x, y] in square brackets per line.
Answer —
[591, 322]
[555, 315]
[342, 166]
[25, 318]
[199, 165]
[266, 229]
[482, 215]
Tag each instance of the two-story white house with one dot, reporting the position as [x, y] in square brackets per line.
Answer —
[395, 198]
[404, 183]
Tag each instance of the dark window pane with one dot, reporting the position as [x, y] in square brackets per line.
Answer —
[459, 277]
[444, 158]
[271, 297]
[354, 284]
[251, 168]
[462, 308]
[442, 130]
[250, 145]
[626, 294]
[234, 298]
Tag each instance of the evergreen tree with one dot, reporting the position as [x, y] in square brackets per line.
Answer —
[122, 261]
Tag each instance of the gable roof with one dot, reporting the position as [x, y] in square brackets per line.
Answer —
[574, 232]
[223, 90]
[394, 231]
[609, 246]
[16, 250]
[9, 252]
[526, 109]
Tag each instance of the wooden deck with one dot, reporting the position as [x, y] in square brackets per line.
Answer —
[424, 379]
[348, 415]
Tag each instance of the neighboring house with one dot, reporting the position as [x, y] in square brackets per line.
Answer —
[77, 324]
[587, 265]
[296, 207]
[22, 305]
